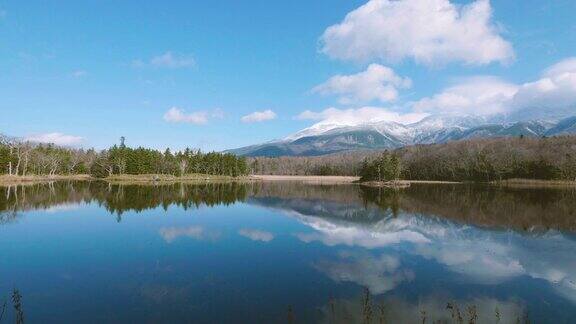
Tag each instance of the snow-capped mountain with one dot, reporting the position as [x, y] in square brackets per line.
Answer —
[323, 138]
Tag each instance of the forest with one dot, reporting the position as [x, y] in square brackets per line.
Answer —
[481, 160]
[18, 158]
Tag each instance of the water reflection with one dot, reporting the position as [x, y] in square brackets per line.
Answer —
[415, 250]
[496, 207]
[429, 309]
[534, 210]
[170, 234]
[116, 199]
[379, 273]
[256, 235]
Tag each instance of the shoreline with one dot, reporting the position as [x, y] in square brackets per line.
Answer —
[308, 179]
[6, 180]
[163, 179]
[533, 183]
[122, 179]
[341, 179]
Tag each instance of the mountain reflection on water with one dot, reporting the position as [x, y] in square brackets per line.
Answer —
[485, 252]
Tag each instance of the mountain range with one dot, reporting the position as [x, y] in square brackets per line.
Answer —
[326, 138]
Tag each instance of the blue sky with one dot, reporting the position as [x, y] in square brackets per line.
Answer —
[185, 73]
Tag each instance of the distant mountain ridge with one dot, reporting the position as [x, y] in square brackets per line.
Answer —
[323, 139]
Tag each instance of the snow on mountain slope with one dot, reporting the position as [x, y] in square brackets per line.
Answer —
[325, 138]
[407, 133]
[316, 129]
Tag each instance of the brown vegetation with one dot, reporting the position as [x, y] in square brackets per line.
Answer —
[483, 160]
[308, 179]
[8, 180]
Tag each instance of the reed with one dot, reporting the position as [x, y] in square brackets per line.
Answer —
[382, 311]
[472, 314]
[423, 316]
[367, 306]
[18, 311]
[290, 315]
[3, 310]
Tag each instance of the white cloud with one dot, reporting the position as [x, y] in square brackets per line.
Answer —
[353, 117]
[376, 83]
[259, 116]
[79, 74]
[565, 66]
[555, 91]
[167, 60]
[177, 115]
[476, 96]
[428, 31]
[256, 235]
[170, 234]
[217, 113]
[553, 95]
[55, 138]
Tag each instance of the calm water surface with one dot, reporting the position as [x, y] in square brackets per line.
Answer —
[287, 252]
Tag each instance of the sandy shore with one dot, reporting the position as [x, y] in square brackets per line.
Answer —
[122, 179]
[530, 183]
[334, 179]
[201, 178]
[309, 179]
[6, 180]
[159, 178]
[432, 182]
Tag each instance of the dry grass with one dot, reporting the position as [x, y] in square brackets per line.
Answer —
[308, 179]
[532, 183]
[163, 178]
[6, 180]
[122, 179]
[337, 179]
[395, 184]
[432, 182]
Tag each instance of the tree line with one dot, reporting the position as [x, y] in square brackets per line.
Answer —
[491, 159]
[552, 158]
[18, 158]
[386, 167]
[117, 198]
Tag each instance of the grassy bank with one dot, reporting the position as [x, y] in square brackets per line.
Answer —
[308, 179]
[343, 180]
[532, 183]
[124, 179]
[6, 180]
[163, 178]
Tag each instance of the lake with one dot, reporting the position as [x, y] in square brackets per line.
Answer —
[282, 252]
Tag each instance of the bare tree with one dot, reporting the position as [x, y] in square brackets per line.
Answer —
[183, 165]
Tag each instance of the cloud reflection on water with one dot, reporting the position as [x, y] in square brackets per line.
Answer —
[482, 256]
[378, 273]
[256, 235]
[170, 234]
